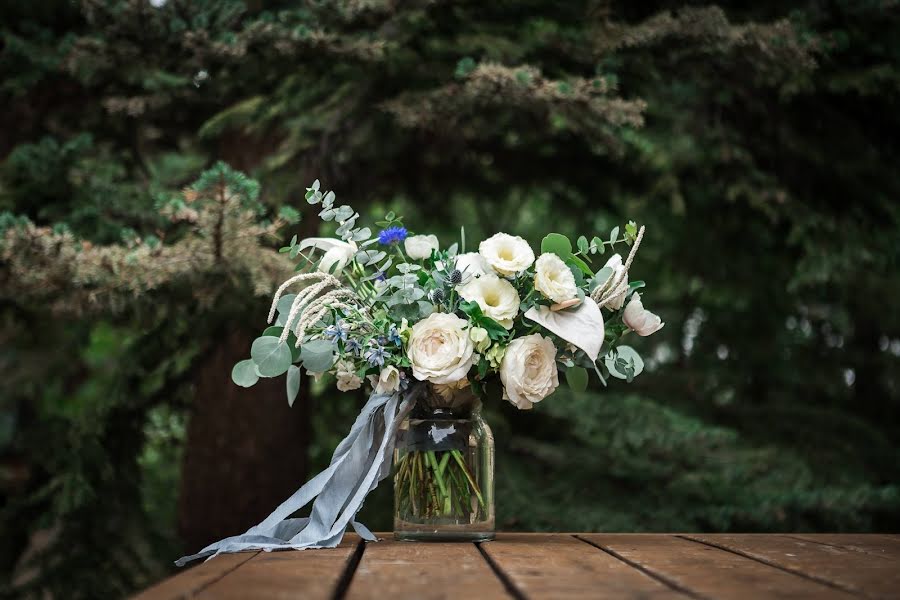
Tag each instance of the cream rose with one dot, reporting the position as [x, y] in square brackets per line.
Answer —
[640, 320]
[387, 381]
[554, 279]
[497, 298]
[347, 379]
[440, 349]
[419, 247]
[507, 254]
[528, 370]
[472, 264]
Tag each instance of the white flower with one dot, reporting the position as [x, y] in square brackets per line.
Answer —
[554, 279]
[347, 379]
[611, 293]
[497, 298]
[641, 321]
[480, 337]
[419, 247]
[337, 253]
[528, 370]
[507, 254]
[440, 349]
[472, 264]
[387, 381]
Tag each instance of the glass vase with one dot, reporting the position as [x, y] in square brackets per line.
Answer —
[444, 470]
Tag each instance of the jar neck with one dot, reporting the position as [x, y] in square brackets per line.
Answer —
[448, 402]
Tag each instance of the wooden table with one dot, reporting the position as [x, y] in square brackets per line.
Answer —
[588, 565]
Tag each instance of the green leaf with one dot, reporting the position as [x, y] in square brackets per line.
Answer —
[244, 373]
[284, 304]
[627, 355]
[636, 285]
[577, 378]
[613, 235]
[600, 278]
[472, 309]
[273, 331]
[271, 355]
[558, 244]
[292, 384]
[317, 355]
[583, 244]
[582, 266]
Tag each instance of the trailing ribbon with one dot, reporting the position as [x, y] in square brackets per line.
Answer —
[359, 463]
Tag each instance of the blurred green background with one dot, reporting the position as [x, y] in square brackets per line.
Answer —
[758, 142]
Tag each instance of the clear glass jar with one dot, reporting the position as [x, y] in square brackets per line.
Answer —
[444, 470]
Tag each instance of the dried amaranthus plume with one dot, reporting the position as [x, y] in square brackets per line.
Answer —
[311, 304]
[616, 286]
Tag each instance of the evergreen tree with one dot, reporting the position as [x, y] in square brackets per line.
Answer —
[756, 144]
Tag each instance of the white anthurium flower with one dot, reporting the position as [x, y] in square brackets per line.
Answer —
[497, 298]
[440, 349]
[472, 264]
[554, 279]
[611, 293]
[419, 247]
[640, 320]
[528, 370]
[581, 326]
[387, 381]
[337, 252]
[507, 254]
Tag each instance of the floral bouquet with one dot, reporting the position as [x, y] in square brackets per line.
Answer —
[441, 328]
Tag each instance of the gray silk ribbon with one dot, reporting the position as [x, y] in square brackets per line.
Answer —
[359, 462]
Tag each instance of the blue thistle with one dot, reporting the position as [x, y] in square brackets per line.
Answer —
[392, 235]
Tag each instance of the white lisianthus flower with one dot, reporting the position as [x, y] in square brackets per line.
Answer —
[387, 381]
[440, 349]
[528, 370]
[337, 252]
[472, 264]
[640, 320]
[347, 379]
[497, 298]
[507, 254]
[554, 279]
[480, 337]
[419, 247]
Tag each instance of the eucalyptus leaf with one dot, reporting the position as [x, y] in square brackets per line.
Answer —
[577, 377]
[558, 244]
[271, 355]
[273, 331]
[244, 373]
[583, 244]
[600, 278]
[317, 355]
[613, 235]
[292, 384]
[627, 355]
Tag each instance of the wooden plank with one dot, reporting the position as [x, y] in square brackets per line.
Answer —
[195, 578]
[310, 574]
[884, 546]
[708, 572]
[424, 571]
[840, 567]
[559, 566]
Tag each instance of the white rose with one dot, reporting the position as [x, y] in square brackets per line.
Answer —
[497, 298]
[472, 264]
[528, 370]
[337, 252]
[507, 254]
[419, 247]
[440, 349]
[347, 379]
[554, 279]
[641, 321]
[387, 381]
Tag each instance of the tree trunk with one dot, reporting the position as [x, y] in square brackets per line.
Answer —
[245, 451]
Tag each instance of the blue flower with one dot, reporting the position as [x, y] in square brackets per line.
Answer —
[392, 235]
[376, 355]
[351, 345]
[332, 333]
[394, 336]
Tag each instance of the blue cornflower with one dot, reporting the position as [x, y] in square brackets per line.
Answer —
[392, 235]
[376, 355]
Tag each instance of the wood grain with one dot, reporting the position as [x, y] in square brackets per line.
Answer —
[884, 546]
[708, 572]
[847, 569]
[560, 566]
[194, 579]
[424, 571]
[312, 574]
